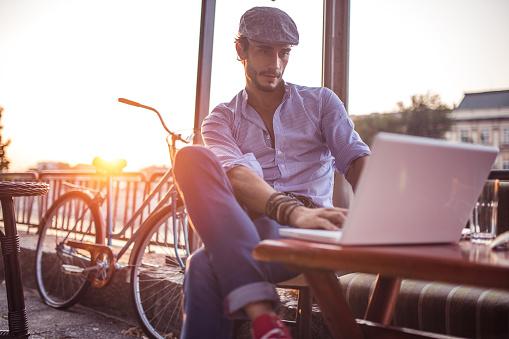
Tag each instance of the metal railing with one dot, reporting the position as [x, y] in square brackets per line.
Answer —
[129, 189]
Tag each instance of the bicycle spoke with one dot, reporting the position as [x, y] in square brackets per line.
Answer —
[157, 276]
[163, 311]
[58, 283]
[157, 282]
[159, 296]
[75, 226]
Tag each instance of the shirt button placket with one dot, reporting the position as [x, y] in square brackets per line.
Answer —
[266, 136]
[280, 161]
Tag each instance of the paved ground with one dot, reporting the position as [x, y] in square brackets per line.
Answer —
[77, 322]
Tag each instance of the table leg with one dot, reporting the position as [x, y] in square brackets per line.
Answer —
[335, 310]
[18, 325]
[383, 300]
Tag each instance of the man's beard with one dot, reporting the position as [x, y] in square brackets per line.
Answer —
[253, 74]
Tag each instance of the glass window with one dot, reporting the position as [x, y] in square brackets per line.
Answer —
[485, 136]
[465, 135]
[505, 136]
[505, 164]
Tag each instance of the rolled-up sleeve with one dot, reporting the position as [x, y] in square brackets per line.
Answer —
[344, 142]
[217, 131]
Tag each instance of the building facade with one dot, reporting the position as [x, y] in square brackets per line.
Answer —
[483, 118]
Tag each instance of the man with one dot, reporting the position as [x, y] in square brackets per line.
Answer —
[273, 137]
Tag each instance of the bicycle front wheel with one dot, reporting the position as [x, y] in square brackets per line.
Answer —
[158, 271]
[61, 270]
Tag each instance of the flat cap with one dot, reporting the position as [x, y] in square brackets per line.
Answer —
[269, 25]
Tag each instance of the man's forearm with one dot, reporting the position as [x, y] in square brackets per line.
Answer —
[251, 190]
[355, 171]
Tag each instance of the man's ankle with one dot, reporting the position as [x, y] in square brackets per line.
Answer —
[256, 309]
[269, 326]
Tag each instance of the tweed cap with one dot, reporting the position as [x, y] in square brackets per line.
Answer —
[269, 25]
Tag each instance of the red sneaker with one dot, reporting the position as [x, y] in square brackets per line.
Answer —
[269, 326]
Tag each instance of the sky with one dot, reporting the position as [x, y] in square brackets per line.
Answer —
[63, 64]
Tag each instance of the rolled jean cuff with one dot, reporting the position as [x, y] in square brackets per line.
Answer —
[244, 295]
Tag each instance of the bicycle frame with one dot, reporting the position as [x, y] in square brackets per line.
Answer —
[171, 196]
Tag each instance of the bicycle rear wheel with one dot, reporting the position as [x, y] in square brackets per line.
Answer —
[60, 269]
[158, 271]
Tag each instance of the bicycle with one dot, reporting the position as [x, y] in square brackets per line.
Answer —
[72, 255]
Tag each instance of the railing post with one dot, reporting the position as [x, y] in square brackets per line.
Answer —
[109, 215]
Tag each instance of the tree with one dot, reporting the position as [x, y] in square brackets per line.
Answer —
[4, 162]
[426, 116]
[369, 125]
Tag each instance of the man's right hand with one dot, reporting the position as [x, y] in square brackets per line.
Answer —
[253, 192]
[325, 218]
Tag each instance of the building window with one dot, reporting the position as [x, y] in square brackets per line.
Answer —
[505, 164]
[485, 136]
[465, 135]
[505, 136]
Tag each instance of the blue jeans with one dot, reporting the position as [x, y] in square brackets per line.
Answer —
[222, 277]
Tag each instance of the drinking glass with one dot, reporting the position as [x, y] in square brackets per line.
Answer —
[483, 223]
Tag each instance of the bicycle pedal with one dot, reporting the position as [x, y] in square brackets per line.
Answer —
[72, 269]
[120, 266]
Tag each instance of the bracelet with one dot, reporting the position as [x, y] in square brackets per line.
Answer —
[305, 200]
[280, 206]
[288, 212]
[270, 206]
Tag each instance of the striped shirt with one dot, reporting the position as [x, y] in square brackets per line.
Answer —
[313, 134]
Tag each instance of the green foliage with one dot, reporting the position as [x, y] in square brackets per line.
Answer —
[4, 162]
[369, 125]
[426, 116]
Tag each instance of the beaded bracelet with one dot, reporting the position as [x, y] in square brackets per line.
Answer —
[280, 206]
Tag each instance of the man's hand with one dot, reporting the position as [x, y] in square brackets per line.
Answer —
[325, 218]
[253, 192]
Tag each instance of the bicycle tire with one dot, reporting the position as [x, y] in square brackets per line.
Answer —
[157, 275]
[73, 216]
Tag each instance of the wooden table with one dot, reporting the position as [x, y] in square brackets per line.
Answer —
[464, 263]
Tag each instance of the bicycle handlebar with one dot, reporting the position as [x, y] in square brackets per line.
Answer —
[130, 102]
[176, 137]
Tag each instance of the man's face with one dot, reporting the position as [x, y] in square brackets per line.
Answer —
[265, 64]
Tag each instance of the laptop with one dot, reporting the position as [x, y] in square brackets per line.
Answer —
[413, 190]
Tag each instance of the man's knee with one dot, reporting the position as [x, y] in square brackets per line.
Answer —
[188, 158]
